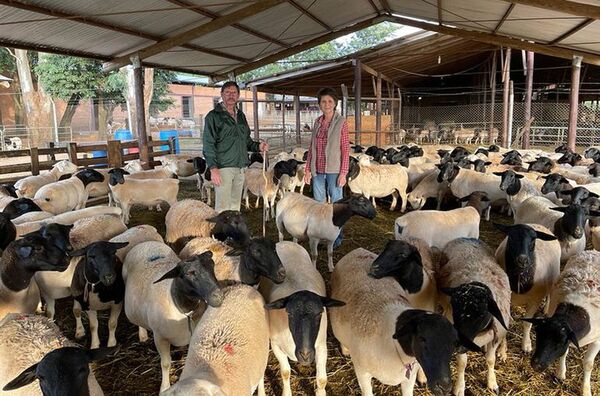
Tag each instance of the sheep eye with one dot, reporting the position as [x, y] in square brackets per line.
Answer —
[47, 199]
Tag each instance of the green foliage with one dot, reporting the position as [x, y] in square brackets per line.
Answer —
[65, 76]
[357, 41]
[160, 96]
[8, 66]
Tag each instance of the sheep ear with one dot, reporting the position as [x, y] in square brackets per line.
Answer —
[25, 378]
[468, 344]
[278, 304]
[533, 321]
[330, 302]
[572, 337]
[560, 209]
[448, 290]
[592, 194]
[174, 273]
[465, 199]
[519, 176]
[488, 163]
[235, 252]
[214, 219]
[101, 353]
[545, 237]
[499, 173]
[189, 160]
[502, 227]
[594, 213]
[77, 253]
[118, 245]
[495, 311]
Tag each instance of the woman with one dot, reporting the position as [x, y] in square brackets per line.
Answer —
[329, 151]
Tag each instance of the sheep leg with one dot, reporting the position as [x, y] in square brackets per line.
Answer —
[374, 204]
[279, 222]
[408, 386]
[487, 213]
[208, 197]
[247, 199]
[321, 363]
[115, 311]
[421, 378]
[79, 329]
[345, 351]
[526, 341]
[93, 318]
[261, 387]
[142, 334]
[50, 308]
[257, 202]
[588, 365]
[561, 369]
[394, 201]
[404, 197]
[330, 255]
[284, 368]
[314, 244]
[364, 381]
[272, 204]
[164, 350]
[490, 359]
[503, 350]
[461, 365]
[295, 240]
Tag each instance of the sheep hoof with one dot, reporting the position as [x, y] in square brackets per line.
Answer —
[79, 334]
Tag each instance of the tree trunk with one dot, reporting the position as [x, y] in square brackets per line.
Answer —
[67, 117]
[130, 95]
[37, 104]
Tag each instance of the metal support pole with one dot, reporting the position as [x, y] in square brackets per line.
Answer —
[493, 98]
[298, 123]
[574, 102]
[506, 80]
[357, 101]
[511, 104]
[255, 112]
[528, 96]
[378, 111]
[283, 120]
[140, 111]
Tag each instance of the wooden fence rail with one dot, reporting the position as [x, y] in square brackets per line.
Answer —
[115, 156]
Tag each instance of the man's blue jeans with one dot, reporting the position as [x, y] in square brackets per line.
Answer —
[324, 184]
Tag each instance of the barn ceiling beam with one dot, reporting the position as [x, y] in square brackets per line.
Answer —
[192, 34]
[109, 26]
[439, 12]
[310, 15]
[375, 8]
[209, 14]
[571, 32]
[566, 6]
[386, 6]
[504, 17]
[500, 40]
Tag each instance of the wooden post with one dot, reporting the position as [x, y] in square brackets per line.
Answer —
[114, 153]
[511, 103]
[72, 151]
[255, 112]
[51, 156]
[35, 161]
[283, 120]
[298, 123]
[344, 100]
[399, 108]
[357, 101]
[506, 81]
[140, 111]
[493, 99]
[378, 111]
[528, 96]
[574, 101]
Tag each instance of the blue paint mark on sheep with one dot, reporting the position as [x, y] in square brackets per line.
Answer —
[155, 257]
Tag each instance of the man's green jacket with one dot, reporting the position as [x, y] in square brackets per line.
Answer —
[227, 141]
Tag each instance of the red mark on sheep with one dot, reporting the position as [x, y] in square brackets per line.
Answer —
[228, 348]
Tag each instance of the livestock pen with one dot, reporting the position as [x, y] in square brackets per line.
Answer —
[135, 369]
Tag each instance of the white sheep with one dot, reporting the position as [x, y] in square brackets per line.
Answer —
[136, 171]
[167, 297]
[5, 197]
[178, 164]
[32, 217]
[134, 236]
[298, 332]
[191, 218]
[379, 181]
[254, 182]
[532, 267]
[573, 318]
[437, 227]
[517, 188]
[68, 218]
[229, 349]
[479, 291]
[24, 341]
[377, 325]
[149, 192]
[66, 195]
[463, 182]
[28, 186]
[304, 217]
[428, 187]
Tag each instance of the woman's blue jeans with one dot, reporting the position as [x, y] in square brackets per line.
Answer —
[324, 184]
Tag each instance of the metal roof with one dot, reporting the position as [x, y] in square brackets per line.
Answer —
[218, 37]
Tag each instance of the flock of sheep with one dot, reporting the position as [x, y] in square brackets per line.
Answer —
[401, 314]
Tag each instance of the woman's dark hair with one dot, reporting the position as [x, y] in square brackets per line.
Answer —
[230, 84]
[327, 92]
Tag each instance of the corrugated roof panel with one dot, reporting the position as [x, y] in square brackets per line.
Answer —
[274, 22]
[189, 59]
[337, 13]
[538, 24]
[415, 9]
[589, 34]
[462, 12]
[238, 42]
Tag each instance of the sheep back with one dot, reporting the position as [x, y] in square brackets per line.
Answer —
[187, 218]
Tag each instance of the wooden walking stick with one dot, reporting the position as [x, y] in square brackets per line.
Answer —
[264, 174]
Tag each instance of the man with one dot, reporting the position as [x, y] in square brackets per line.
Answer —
[226, 144]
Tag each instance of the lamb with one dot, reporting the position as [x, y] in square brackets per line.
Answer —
[254, 182]
[190, 218]
[573, 318]
[28, 186]
[437, 228]
[179, 164]
[98, 285]
[32, 347]
[379, 329]
[135, 170]
[567, 223]
[66, 195]
[166, 295]
[479, 291]
[229, 349]
[304, 217]
[532, 267]
[244, 264]
[428, 187]
[133, 236]
[297, 315]
[18, 293]
[379, 181]
[144, 192]
[464, 181]
[56, 285]
[205, 184]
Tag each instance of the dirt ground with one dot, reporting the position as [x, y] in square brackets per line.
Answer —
[135, 370]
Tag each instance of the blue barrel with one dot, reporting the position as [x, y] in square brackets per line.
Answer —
[97, 154]
[165, 135]
[125, 134]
